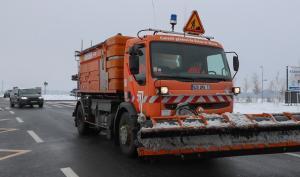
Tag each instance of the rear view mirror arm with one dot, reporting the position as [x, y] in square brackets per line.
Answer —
[237, 56]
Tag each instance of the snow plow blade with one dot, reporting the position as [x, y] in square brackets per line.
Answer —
[213, 135]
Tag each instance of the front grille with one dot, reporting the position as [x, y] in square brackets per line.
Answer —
[33, 99]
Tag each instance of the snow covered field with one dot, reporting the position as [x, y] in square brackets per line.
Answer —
[264, 108]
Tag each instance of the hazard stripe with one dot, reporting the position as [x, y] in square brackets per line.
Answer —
[229, 99]
[166, 99]
[185, 99]
[212, 99]
[221, 99]
[178, 99]
[171, 100]
[153, 99]
[145, 99]
[190, 99]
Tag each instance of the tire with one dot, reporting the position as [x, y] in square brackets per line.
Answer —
[41, 105]
[12, 104]
[82, 126]
[127, 136]
[21, 106]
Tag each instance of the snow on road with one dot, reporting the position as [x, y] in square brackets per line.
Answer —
[265, 108]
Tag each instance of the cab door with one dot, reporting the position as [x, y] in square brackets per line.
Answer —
[138, 81]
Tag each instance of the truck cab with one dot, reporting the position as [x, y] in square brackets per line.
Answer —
[165, 72]
[29, 96]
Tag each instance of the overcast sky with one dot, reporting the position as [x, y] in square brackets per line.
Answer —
[38, 38]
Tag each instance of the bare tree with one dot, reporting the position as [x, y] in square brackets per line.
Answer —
[246, 85]
[256, 85]
[277, 86]
[272, 89]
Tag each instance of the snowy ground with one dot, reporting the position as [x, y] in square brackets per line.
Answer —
[265, 108]
[58, 97]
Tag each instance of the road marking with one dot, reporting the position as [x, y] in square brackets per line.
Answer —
[3, 130]
[35, 136]
[11, 112]
[3, 119]
[69, 106]
[293, 154]
[55, 105]
[19, 120]
[1, 109]
[68, 172]
[47, 106]
[15, 153]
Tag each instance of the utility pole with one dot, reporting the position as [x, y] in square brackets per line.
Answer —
[45, 85]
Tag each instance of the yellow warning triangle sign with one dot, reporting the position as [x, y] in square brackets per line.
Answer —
[194, 24]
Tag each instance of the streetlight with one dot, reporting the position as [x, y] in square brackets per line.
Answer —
[262, 83]
[45, 85]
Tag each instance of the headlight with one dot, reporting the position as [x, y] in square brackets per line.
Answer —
[24, 98]
[236, 90]
[164, 90]
[40, 97]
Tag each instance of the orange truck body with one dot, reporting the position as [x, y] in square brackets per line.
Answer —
[108, 90]
[107, 56]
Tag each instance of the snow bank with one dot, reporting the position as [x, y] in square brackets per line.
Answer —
[59, 97]
[253, 108]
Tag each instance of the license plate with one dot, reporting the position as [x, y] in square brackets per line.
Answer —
[200, 87]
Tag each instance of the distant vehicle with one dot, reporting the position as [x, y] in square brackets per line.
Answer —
[23, 97]
[7, 94]
[74, 92]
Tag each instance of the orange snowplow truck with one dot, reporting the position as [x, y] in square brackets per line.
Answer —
[167, 93]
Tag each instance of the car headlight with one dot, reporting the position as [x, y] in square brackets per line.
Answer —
[40, 97]
[236, 90]
[24, 98]
[164, 90]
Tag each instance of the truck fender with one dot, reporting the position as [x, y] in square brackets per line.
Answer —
[79, 103]
[123, 107]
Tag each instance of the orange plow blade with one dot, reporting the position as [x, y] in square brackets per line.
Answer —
[216, 135]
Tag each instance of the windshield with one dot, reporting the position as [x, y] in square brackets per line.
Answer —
[29, 91]
[187, 61]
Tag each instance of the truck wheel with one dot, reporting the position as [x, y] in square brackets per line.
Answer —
[12, 105]
[41, 105]
[127, 136]
[82, 126]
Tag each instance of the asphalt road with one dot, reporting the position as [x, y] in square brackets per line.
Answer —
[38, 142]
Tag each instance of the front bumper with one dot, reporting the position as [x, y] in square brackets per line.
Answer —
[31, 101]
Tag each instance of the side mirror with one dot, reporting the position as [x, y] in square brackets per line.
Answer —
[134, 62]
[236, 63]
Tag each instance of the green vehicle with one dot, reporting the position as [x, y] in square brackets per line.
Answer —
[23, 97]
